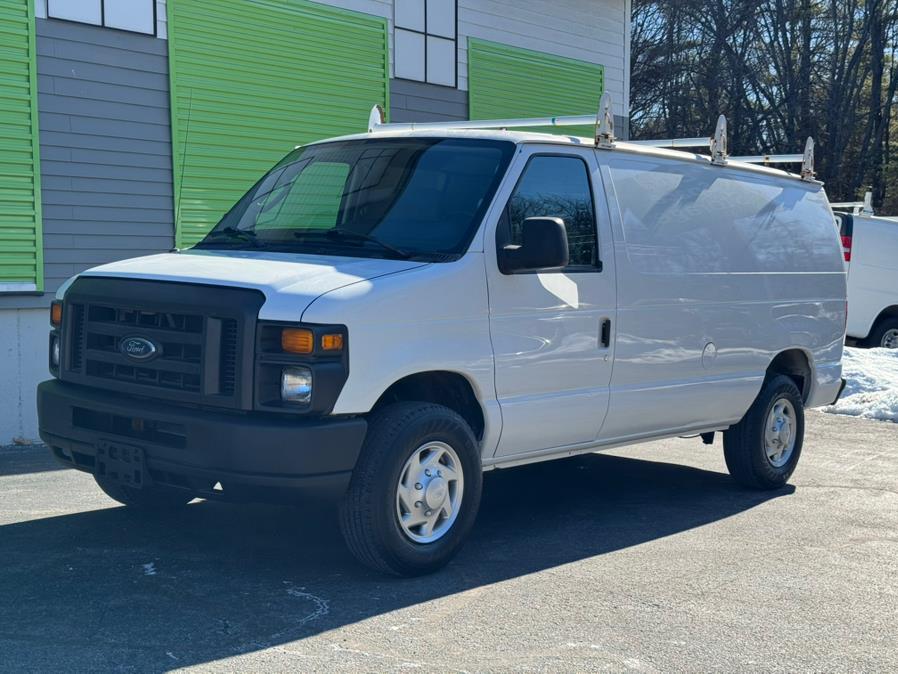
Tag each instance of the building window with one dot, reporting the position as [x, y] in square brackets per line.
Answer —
[136, 16]
[424, 41]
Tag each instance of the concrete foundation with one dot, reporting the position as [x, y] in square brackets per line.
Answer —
[23, 364]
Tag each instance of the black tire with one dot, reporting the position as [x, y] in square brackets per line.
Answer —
[874, 339]
[148, 498]
[368, 517]
[744, 443]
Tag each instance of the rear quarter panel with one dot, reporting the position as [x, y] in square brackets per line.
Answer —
[707, 255]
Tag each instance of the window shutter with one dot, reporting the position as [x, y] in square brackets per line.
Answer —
[21, 264]
[251, 80]
[507, 82]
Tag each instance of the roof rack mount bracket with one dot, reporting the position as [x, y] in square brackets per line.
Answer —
[807, 161]
[605, 123]
[719, 143]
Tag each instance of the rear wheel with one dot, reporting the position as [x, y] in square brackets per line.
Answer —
[762, 450]
[884, 334]
[150, 497]
[415, 490]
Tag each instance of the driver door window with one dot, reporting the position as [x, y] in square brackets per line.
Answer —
[557, 187]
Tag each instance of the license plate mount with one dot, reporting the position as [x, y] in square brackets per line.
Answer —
[123, 464]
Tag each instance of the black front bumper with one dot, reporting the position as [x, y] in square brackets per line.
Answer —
[253, 456]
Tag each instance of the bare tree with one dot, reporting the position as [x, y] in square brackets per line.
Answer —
[781, 70]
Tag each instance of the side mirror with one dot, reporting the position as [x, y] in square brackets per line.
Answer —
[543, 248]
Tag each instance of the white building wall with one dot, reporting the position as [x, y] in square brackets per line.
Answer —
[23, 363]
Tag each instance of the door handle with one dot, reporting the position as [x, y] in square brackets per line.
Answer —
[605, 333]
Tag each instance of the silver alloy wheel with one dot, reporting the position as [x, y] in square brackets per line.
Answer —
[780, 433]
[890, 339]
[429, 493]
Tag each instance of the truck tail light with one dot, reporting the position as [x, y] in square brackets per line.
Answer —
[846, 247]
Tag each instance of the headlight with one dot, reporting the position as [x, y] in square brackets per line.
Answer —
[296, 385]
[54, 351]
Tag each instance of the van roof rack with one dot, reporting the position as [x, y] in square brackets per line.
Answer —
[603, 122]
[604, 135]
[864, 207]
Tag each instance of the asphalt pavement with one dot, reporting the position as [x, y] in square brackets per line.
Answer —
[647, 558]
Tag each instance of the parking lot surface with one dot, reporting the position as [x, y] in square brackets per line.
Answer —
[647, 558]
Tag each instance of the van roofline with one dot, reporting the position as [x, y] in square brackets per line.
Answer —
[564, 140]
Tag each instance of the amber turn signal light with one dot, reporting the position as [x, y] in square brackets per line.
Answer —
[331, 342]
[297, 340]
[56, 314]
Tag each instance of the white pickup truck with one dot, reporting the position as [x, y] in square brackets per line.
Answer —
[870, 246]
[383, 317]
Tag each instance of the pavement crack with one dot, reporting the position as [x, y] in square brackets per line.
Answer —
[849, 487]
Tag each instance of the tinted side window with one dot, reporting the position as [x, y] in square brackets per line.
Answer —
[556, 187]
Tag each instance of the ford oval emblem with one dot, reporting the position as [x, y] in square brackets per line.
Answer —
[137, 348]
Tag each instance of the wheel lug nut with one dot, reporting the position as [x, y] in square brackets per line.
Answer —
[428, 513]
[418, 504]
[427, 472]
[418, 486]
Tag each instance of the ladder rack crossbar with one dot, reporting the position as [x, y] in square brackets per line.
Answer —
[673, 142]
[603, 123]
[514, 123]
[770, 159]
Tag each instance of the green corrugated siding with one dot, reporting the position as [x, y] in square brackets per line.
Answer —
[508, 82]
[252, 79]
[20, 197]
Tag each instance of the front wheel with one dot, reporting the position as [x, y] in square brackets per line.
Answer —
[762, 450]
[415, 490]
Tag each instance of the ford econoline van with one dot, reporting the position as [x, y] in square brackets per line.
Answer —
[383, 317]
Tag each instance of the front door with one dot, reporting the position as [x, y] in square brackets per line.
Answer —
[552, 333]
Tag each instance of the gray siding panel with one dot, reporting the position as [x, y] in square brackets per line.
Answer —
[105, 142]
[420, 102]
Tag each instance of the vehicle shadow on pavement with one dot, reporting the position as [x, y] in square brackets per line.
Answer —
[111, 588]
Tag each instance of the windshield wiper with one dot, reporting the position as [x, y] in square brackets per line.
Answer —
[233, 234]
[349, 235]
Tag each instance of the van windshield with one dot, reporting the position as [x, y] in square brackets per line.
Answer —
[403, 198]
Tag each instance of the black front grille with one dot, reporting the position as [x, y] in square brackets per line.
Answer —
[228, 365]
[76, 337]
[179, 339]
[197, 333]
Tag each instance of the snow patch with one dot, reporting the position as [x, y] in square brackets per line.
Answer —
[871, 391]
[149, 569]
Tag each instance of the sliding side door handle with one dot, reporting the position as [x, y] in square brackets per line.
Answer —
[605, 333]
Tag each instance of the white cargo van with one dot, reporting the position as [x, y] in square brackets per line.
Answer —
[870, 247]
[385, 316]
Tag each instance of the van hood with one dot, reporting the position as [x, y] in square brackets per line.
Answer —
[290, 282]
